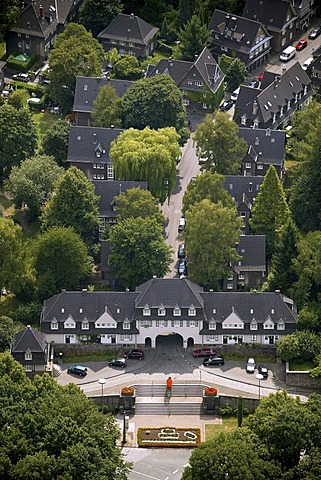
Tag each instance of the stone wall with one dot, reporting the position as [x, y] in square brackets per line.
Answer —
[301, 379]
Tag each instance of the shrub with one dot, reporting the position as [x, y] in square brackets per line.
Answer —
[163, 48]
[19, 66]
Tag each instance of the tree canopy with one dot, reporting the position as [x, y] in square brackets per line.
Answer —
[55, 141]
[235, 74]
[137, 202]
[107, 108]
[147, 155]
[9, 14]
[138, 250]
[95, 15]
[73, 204]
[11, 253]
[218, 142]
[193, 37]
[128, 68]
[8, 329]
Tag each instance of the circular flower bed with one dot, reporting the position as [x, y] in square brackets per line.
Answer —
[127, 391]
[210, 391]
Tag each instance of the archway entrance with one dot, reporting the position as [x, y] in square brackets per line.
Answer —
[148, 342]
[190, 342]
[169, 341]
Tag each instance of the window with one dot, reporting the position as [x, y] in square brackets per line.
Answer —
[110, 171]
[28, 368]
[124, 338]
[126, 325]
[243, 214]
[98, 165]
[212, 338]
[212, 325]
[241, 277]
[27, 46]
[54, 325]
[28, 355]
[247, 165]
[251, 310]
[146, 323]
[283, 42]
[268, 326]
[281, 325]
[146, 311]
[192, 311]
[191, 323]
[205, 106]
[161, 311]
[189, 82]
[253, 324]
[253, 338]
[85, 87]
[259, 166]
[229, 286]
[62, 310]
[224, 49]
[98, 176]
[69, 324]
[161, 323]
[175, 323]
[19, 44]
[198, 83]
[177, 312]
[185, 102]
[85, 325]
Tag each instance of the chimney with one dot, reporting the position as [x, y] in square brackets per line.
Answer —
[84, 290]
[268, 132]
[94, 138]
[127, 290]
[254, 107]
[41, 11]
[132, 16]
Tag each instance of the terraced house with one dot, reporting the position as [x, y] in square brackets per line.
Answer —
[162, 307]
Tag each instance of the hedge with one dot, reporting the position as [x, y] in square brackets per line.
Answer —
[21, 66]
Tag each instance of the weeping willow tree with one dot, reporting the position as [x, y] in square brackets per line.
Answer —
[147, 155]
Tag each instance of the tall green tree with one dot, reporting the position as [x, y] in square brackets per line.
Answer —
[9, 14]
[270, 211]
[303, 122]
[75, 53]
[95, 15]
[193, 37]
[135, 203]
[8, 329]
[11, 253]
[207, 185]
[148, 155]
[60, 259]
[73, 204]
[218, 142]
[235, 74]
[138, 250]
[18, 98]
[128, 68]
[210, 235]
[184, 12]
[225, 62]
[18, 137]
[107, 108]
[33, 181]
[164, 30]
[55, 141]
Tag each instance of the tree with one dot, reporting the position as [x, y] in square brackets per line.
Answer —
[95, 15]
[128, 68]
[9, 14]
[303, 122]
[270, 211]
[8, 329]
[184, 13]
[18, 98]
[55, 141]
[33, 181]
[75, 53]
[107, 108]
[235, 74]
[218, 142]
[282, 275]
[60, 259]
[210, 235]
[147, 155]
[138, 250]
[207, 185]
[288, 347]
[135, 203]
[225, 62]
[156, 102]
[69, 440]
[18, 137]
[11, 253]
[74, 204]
[164, 30]
[309, 317]
[193, 37]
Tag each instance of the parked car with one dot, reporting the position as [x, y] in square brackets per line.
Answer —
[181, 251]
[213, 361]
[235, 95]
[226, 105]
[134, 353]
[301, 44]
[181, 224]
[182, 269]
[315, 32]
[21, 77]
[250, 365]
[307, 63]
[204, 352]
[118, 362]
[77, 370]
[263, 371]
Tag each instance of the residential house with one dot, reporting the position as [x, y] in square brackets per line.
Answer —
[2, 67]
[265, 148]
[314, 71]
[30, 348]
[201, 81]
[305, 10]
[272, 106]
[239, 37]
[244, 191]
[130, 35]
[250, 270]
[278, 17]
[86, 91]
[167, 306]
[39, 23]
[88, 149]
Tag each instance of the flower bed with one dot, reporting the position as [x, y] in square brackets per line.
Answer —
[128, 391]
[210, 391]
[168, 437]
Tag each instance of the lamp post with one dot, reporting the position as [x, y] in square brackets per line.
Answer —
[259, 376]
[102, 382]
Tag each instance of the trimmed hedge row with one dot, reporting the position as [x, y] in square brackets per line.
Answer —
[22, 67]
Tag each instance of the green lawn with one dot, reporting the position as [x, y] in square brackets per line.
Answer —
[302, 367]
[228, 425]
[43, 121]
[243, 358]
[104, 357]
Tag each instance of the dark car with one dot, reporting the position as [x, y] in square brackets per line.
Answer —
[213, 361]
[204, 352]
[118, 362]
[181, 251]
[315, 32]
[263, 371]
[301, 44]
[134, 353]
[250, 365]
[226, 105]
[182, 269]
[77, 370]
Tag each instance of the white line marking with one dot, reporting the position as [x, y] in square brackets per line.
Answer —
[174, 472]
[144, 475]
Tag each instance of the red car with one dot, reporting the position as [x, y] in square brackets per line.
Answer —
[204, 352]
[301, 44]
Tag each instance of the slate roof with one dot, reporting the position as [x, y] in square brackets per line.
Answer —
[85, 142]
[30, 339]
[268, 146]
[179, 70]
[159, 291]
[252, 250]
[87, 89]
[129, 27]
[271, 13]
[237, 186]
[108, 190]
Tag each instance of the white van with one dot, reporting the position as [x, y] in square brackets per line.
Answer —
[287, 54]
[307, 63]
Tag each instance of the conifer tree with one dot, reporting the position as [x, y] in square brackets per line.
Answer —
[184, 13]
[194, 37]
[164, 30]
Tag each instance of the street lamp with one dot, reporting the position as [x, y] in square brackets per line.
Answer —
[260, 377]
[102, 382]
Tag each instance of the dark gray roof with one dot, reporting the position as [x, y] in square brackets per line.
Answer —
[107, 190]
[177, 291]
[237, 186]
[252, 250]
[271, 13]
[262, 304]
[30, 339]
[130, 27]
[87, 89]
[91, 144]
[268, 146]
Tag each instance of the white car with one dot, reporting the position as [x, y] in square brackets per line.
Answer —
[21, 77]
[250, 365]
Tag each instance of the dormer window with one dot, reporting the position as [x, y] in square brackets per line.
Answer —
[214, 310]
[28, 354]
[272, 311]
[80, 310]
[118, 310]
[62, 310]
[126, 324]
[85, 325]
[161, 311]
[251, 310]
[146, 311]
[85, 87]
[192, 311]
[54, 324]
[212, 324]
[177, 311]
[281, 325]
[253, 324]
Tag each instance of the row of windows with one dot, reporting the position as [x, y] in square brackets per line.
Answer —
[259, 49]
[85, 325]
[162, 311]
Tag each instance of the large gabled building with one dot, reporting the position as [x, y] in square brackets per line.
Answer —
[30, 348]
